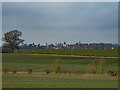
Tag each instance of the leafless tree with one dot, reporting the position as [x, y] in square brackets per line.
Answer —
[12, 40]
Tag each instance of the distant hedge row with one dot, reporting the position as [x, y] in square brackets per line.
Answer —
[5, 51]
[80, 52]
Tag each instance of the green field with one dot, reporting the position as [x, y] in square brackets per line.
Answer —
[79, 52]
[39, 79]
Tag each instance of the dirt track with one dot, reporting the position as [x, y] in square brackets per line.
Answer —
[74, 55]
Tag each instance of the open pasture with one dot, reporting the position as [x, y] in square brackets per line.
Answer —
[78, 52]
[39, 79]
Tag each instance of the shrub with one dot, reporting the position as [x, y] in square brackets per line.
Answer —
[57, 66]
[64, 71]
[6, 51]
[113, 73]
[30, 71]
[101, 66]
[47, 71]
[33, 51]
[93, 66]
[14, 71]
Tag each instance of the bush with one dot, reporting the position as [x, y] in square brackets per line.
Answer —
[6, 51]
[30, 71]
[101, 66]
[93, 66]
[57, 66]
[113, 73]
[14, 71]
[47, 71]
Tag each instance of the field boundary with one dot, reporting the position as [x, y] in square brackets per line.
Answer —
[75, 55]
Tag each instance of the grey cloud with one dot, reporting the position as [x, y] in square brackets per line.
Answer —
[73, 21]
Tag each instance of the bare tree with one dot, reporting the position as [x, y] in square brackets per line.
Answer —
[12, 40]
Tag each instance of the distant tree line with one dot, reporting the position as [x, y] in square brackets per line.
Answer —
[71, 46]
[12, 40]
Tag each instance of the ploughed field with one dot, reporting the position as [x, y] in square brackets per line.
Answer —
[21, 62]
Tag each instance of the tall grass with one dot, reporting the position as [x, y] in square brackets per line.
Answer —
[57, 65]
[93, 66]
[101, 66]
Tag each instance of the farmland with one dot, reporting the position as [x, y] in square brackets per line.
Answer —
[78, 52]
[39, 79]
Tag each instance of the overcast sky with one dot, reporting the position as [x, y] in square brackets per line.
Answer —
[58, 22]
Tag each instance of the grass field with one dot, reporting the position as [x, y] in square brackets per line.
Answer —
[79, 52]
[39, 79]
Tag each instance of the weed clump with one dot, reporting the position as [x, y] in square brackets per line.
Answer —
[113, 73]
[47, 71]
[30, 71]
[93, 66]
[101, 66]
[14, 71]
[64, 71]
[57, 65]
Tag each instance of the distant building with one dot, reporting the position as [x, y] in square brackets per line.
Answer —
[30, 45]
[64, 44]
[33, 44]
[112, 48]
[38, 45]
[45, 44]
[55, 44]
[78, 45]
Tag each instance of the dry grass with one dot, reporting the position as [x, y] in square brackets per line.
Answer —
[67, 76]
